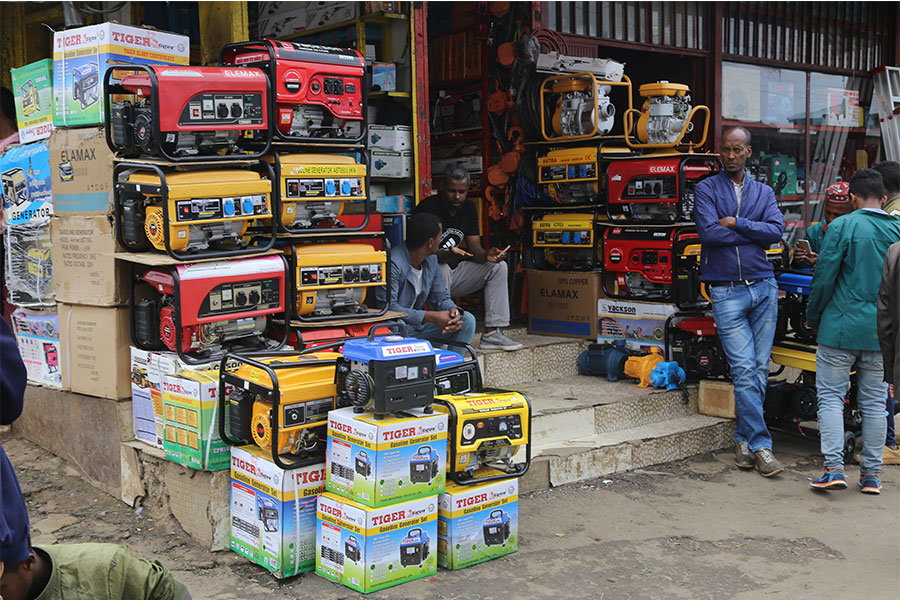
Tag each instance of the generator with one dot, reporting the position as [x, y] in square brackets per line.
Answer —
[456, 368]
[414, 548]
[563, 241]
[495, 528]
[656, 188]
[31, 102]
[176, 213]
[423, 465]
[331, 280]
[203, 310]
[352, 549]
[86, 84]
[15, 186]
[578, 106]
[362, 463]
[570, 175]
[283, 398]
[28, 264]
[693, 342]
[656, 264]
[486, 430]
[796, 286]
[307, 339]
[313, 190]
[267, 513]
[187, 113]
[665, 118]
[386, 374]
[51, 357]
[318, 93]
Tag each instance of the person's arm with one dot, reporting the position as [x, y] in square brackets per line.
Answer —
[447, 315]
[707, 221]
[887, 328]
[828, 267]
[139, 579]
[398, 278]
[768, 230]
[13, 376]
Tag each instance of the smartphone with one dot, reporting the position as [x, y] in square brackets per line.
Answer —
[804, 245]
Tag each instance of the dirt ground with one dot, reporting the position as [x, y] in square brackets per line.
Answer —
[697, 528]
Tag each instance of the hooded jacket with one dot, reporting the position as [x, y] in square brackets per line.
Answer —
[889, 316]
[740, 253]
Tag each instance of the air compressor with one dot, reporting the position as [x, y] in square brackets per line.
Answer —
[578, 105]
[414, 548]
[331, 281]
[176, 212]
[423, 465]
[496, 528]
[563, 241]
[318, 92]
[279, 402]
[314, 189]
[201, 310]
[487, 430]
[183, 114]
[693, 342]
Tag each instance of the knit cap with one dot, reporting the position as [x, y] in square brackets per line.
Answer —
[838, 195]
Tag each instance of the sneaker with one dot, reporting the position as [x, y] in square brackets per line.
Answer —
[743, 458]
[831, 479]
[496, 339]
[870, 484]
[766, 463]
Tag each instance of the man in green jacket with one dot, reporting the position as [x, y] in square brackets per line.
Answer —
[890, 172]
[837, 204]
[842, 305]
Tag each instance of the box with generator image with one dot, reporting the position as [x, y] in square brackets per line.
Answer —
[273, 511]
[190, 405]
[369, 549]
[378, 462]
[33, 90]
[477, 523]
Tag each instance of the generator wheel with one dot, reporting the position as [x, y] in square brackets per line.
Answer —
[850, 446]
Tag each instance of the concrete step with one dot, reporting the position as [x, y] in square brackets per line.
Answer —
[543, 357]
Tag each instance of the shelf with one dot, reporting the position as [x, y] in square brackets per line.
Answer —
[378, 19]
[379, 95]
[764, 126]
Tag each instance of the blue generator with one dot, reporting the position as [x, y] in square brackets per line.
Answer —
[414, 548]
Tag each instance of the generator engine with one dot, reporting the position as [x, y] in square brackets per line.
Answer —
[792, 306]
[318, 91]
[414, 548]
[332, 280]
[188, 113]
[693, 342]
[581, 107]
[570, 175]
[495, 529]
[665, 118]
[197, 309]
[563, 241]
[86, 84]
[386, 374]
[313, 189]
[487, 430]
[176, 213]
[654, 264]
[280, 403]
[656, 189]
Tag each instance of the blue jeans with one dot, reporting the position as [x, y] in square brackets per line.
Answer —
[833, 367]
[745, 320]
[431, 331]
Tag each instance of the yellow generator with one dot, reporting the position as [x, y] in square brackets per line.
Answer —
[564, 241]
[285, 398]
[665, 118]
[487, 430]
[195, 214]
[331, 280]
[313, 190]
[570, 175]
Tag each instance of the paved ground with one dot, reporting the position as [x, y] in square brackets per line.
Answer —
[696, 529]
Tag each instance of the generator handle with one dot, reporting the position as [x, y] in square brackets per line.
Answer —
[479, 384]
[496, 513]
[398, 327]
[416, 529]
[363, 453]
[421, 448]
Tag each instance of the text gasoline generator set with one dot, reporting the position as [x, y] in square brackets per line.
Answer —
[414, 548]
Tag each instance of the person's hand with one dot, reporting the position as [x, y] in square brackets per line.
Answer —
[449, 321]
[729, 222]
[459, 252]
[496, 255]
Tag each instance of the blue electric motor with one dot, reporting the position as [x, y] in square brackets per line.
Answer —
[667, 375]
[604, 360]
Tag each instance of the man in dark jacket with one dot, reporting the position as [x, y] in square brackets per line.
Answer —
[889, 332]
[13, 514]
[737, 220]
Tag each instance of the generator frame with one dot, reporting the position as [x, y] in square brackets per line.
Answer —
[478, 384]
[162, 190]
[669, 330]
[271, 394]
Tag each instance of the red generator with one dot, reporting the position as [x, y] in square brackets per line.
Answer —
[318, 93]
[657, 264]
[693, 342]
[187, 113]
[204, 310]
[656, 188]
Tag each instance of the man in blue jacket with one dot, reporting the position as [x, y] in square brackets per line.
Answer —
[13, 514]
[737, 220]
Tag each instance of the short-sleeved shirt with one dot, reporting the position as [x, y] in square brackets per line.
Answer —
[456, 227]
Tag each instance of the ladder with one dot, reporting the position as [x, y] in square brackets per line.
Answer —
[887, 98]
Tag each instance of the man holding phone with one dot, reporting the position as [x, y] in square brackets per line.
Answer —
[466, 271]
[837, 204]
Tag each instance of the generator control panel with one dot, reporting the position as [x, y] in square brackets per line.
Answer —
[218, 208]
[323, 188]
[509, 426]
[223, 109]
[302, 413]
[241, 297]
[338, 275]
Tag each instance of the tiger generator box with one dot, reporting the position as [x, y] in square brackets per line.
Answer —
[378, 462]
[33, 89]
[82, 56]
[37, 336]
[477, 523]
[641, 324]
[191, 412]
[369, 549]
[27, 186]
[273, 512]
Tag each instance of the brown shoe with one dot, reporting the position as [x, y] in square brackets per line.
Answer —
[890, 456]
[743, 458]
[767, 464]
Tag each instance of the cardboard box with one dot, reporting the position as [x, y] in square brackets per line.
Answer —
[477, 523]
[472, 164]
[86, 271]
[384, 77]
[396, 165]
[191, 412]
[394, 227]
[395, 138]
[716, 399]
[95, 356]
[29, 264]
[378, 462]
[25, 176]
[33, 89]
[563, 303]
[146, 418]
[394, 204]
[82, 56]
[641, 324]
[81, 166]
[370, 549]
[273, 512]
[37, 335]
